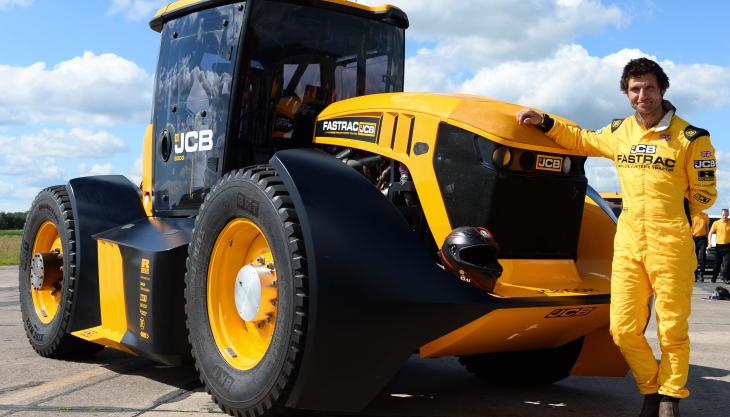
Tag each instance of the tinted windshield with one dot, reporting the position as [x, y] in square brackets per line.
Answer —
[299, 59]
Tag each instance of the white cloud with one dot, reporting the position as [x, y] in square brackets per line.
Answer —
[136, 9]
[88, 90]
[602, 174]
[469, 35]
[135, 171]
[723, 180]
[585, 88]
[73, 143]
[95, 169]
[34, 160]
[9, 3]
[524, 27]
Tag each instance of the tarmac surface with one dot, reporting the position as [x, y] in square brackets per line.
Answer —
[115, 384]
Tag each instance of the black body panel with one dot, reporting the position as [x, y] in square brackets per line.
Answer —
[153, 292]
[533, 214]
[376, 295]
[99, 203]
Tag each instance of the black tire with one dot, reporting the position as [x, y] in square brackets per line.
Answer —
[264, 389]
[524, 368]
[52, 339]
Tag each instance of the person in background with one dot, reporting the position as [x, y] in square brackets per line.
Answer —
[722, 246]
[700, 226]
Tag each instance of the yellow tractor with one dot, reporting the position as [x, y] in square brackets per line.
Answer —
[303, 226]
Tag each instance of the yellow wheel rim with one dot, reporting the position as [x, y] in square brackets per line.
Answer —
[47, 299]
[240, 342]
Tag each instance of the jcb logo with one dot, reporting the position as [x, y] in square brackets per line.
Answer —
[367, 129]
[707, 163]
[195, 141]
[570, 312]
[549, 163]
[645, 149]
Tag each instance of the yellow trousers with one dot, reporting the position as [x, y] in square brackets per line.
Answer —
[653, 256]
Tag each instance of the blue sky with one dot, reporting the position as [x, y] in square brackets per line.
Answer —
[77, 81]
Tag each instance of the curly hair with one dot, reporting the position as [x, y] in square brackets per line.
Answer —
[642, 66]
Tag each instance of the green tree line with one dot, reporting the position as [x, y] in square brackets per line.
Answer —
[11, 221]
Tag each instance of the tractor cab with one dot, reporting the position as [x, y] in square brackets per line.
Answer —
[238, 82]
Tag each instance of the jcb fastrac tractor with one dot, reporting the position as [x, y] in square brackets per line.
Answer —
[303, 226]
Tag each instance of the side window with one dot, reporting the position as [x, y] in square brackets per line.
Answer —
[192, 97]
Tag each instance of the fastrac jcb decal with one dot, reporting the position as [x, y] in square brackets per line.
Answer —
[549, 163]
[193, 141]
[570, 312]
[358, 128]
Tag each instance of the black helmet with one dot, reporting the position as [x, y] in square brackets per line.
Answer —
[471, 254]
[720, 293]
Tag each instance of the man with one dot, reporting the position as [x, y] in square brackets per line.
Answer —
[665, 165]
[722, 246]
[700, 224]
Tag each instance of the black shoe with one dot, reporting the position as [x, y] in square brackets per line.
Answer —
[651, 406]
[668, 406]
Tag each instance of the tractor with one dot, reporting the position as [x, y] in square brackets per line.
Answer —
[291, 228]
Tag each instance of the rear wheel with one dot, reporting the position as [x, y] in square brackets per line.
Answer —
[245, 293]
[524, 368]
[47, 278]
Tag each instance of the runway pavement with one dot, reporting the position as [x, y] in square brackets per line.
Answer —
[116, 384]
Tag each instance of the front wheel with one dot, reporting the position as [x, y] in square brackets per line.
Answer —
[524, 368]
[245, 293]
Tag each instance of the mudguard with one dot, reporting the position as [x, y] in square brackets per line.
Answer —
[375, 293]
[99, 203]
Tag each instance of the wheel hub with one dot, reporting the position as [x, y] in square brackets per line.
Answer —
[45, 267]
[255, 293]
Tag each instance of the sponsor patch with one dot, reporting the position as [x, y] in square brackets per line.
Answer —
[645, 161]
[615, 124]
[705, 163]
[643, 149]
[570, 312]
[358, 128]
[702, 199]
[706, 175]
[549, 163]
[705, 154]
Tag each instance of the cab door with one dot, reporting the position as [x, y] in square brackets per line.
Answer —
[192, 99]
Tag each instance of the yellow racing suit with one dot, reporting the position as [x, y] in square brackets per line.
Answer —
[664, 172]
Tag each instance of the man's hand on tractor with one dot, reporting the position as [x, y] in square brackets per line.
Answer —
[529, 117]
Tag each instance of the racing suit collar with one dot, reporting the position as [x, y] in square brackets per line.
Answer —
[667, 119]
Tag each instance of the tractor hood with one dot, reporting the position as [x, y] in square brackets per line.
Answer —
[483, 116]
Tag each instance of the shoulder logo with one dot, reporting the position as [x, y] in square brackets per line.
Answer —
[692, 132]
[615, 124]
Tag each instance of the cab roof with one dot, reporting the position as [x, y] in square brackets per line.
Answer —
[386, 12]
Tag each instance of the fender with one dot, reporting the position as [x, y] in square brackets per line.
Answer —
[99, 203]
[375, 293]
